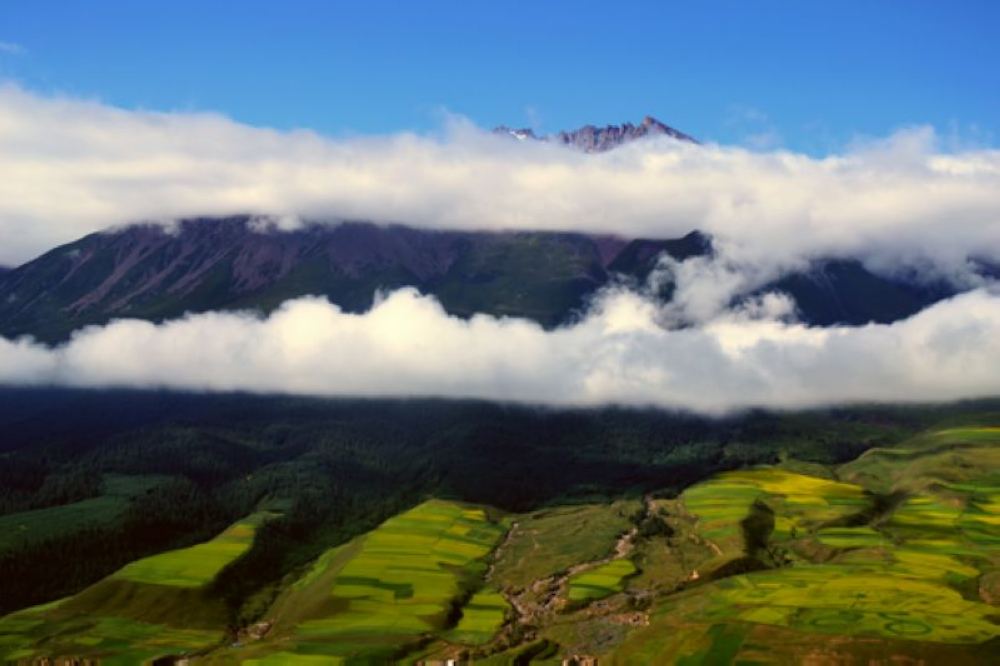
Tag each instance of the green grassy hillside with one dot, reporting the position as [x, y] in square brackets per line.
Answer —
[897, 568]
[157, 606]
[26, 527]
[891, 558]
[419, 573]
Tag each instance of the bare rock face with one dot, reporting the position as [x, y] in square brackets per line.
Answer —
[593, 139]
[205, 264]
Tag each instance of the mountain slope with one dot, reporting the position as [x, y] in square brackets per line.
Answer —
[890, 558]
[148, 272]
[151, 608]
[843, 291]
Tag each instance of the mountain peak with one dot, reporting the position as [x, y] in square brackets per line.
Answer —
[593, 139]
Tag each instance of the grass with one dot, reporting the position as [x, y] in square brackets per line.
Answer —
[481, 618]
[198, 565]
[386, 590]
[900, 584]
[601, 581]
[39, 524]
[801, 504]
[850, 537]
[867, 577]
[292, 659]
[113, 640]
[953, 456]
[153, 607]
[548, 541]
[850, 599]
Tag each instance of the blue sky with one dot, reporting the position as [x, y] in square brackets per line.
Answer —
[810, 76]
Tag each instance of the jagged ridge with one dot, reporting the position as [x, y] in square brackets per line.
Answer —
[593, 139]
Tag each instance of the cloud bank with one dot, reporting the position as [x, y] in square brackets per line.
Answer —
[406, 345]
[69, 167]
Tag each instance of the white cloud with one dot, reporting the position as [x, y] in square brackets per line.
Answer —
[11, 48]
[69, 167]
[406, 345]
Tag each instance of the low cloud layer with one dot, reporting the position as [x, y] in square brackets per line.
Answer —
[70, 167]
[406, 345]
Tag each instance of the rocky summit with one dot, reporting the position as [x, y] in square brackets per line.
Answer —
[593, 139]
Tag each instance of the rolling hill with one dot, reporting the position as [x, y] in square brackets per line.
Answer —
[892, 557]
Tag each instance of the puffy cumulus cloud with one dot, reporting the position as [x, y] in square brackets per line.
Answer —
[69, 167]
[406, 345]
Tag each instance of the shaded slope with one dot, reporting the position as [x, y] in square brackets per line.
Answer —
[147, 273]
[203, 265]
[843, 291]
[153, 607]
[378, 596]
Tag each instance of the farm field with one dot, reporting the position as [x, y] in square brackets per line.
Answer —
[481, 618]
[153, 607]
[799, 502]
[198, 565]
[902, 582]
[771, 564]
[549, 540]
[380, 595]
[601, 581]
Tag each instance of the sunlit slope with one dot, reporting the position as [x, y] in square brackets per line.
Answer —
[153, 607]
[931, 460]
[902, 565]
[419, 574]
[894, 557]
[601, 581]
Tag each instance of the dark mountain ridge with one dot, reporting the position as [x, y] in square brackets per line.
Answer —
[148, 272]
[151, 273]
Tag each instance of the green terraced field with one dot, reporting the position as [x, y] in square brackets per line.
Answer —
[764, 565]
[152, 607]
[601, 581]
[113, 640]
[197, 565]
[850, 537]
[951, 457]
[394, 585]
[853, 600]
[801, 504]
[481, 618]
[879, 589]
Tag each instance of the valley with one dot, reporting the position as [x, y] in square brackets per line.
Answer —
[890, 556]
[360, 333]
